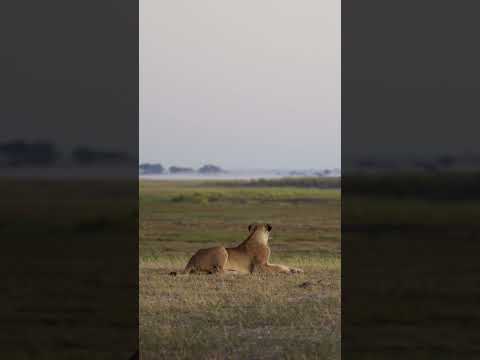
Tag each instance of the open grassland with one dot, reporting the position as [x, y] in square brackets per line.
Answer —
[70, 269]
[247, 316]
[411, 242]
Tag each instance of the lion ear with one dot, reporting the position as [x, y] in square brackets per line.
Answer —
[250, 227]
[269, 227]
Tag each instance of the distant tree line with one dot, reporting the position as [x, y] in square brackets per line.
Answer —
[300, 182]
[86, 156]
[442, 162]
[18, 153]
[156, 168]
[180, 170]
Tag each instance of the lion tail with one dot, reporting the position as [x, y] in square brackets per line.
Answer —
[188, 269]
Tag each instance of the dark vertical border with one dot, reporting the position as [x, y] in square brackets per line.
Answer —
[69, 179]
[410, 189]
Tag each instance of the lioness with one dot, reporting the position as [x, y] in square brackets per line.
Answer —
[250, 256]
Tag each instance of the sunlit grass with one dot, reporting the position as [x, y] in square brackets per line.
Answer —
[247, 316]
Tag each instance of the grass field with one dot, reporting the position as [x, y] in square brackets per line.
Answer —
[244, 316]
[411, 244]
[70, 268]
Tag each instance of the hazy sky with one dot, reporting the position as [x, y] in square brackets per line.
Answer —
[241, 84]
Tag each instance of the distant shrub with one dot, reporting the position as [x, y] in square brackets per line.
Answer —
[178, 169]
[148, 168]
[210, 169]
[178, 198]
[196, 197]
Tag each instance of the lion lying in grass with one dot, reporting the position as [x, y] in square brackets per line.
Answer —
[252, 255]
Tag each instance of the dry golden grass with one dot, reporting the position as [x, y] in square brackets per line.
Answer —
[240, 317]
[256, 316]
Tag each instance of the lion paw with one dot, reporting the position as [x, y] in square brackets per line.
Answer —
[296, 271]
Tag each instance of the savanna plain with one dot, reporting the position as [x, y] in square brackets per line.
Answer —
[255, 316]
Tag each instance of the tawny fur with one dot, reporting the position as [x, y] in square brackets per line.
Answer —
[252, 255]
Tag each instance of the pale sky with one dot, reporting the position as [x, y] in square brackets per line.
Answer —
[241, 84]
